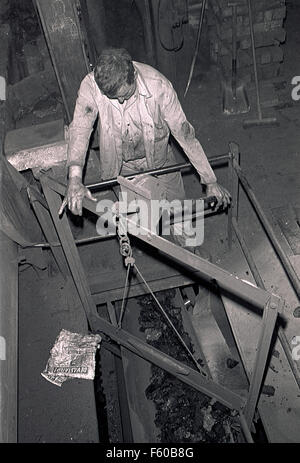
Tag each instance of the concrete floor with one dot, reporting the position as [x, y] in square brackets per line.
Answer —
[271, 159]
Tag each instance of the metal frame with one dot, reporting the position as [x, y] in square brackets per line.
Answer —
[227, 283]
[237, 177]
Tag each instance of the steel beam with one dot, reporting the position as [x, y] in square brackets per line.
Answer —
[259, 281]
[262, 215]
[263, 348]
[208, 271]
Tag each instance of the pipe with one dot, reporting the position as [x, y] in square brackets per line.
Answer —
[215, 161]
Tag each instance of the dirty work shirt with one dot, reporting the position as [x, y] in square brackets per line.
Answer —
[133, 150]
[130, 133]
[160, 114]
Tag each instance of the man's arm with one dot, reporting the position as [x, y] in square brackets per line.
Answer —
[184, 133]
[80, 130]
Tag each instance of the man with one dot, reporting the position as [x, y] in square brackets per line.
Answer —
[138, 109]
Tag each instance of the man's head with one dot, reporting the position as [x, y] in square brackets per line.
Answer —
[115, 74]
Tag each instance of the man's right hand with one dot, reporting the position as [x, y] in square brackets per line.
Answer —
[76, 191]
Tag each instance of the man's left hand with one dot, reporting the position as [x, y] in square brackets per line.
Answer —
[222, 195]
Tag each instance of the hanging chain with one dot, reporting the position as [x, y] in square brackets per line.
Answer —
[126, 251]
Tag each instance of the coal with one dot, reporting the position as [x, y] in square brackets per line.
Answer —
[183, 414]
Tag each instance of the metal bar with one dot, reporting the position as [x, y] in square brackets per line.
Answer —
[269, 231]
[215, 161]
[245, 429]
[57, 244]
[97, 324]
[234, 157]
[258, 279]
[263, 347]
[208, 271]
[218, 160]
[226, 281]
[66, 237]
[248, 255]
[139, 289]
[182, 372]
[46, 223]
[34, 195]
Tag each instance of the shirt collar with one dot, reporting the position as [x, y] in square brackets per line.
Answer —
[141, 84]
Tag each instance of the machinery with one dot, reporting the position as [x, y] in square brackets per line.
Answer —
[128, 344]
[215, 316]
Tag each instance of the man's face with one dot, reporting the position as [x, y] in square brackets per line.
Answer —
[124, 93]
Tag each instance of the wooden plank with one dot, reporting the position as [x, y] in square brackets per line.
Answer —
[287, 220]
[62, 32]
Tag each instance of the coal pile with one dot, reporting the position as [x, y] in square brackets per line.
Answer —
[183, 415]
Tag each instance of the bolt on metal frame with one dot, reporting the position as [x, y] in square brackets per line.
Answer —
[228, 284]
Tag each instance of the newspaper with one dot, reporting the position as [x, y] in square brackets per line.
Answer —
[72, 356]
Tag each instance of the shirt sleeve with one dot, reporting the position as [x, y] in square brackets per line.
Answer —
[184, 133]
[81, 127]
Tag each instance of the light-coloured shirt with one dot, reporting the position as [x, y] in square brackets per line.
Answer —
[158, 113]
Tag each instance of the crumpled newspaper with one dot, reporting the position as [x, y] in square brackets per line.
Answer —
[72, 356]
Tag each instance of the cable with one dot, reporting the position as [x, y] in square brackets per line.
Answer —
[126, 251]
[124, 296]
[170, 322]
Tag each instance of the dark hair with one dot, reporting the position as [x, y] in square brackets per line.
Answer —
[113, 69]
